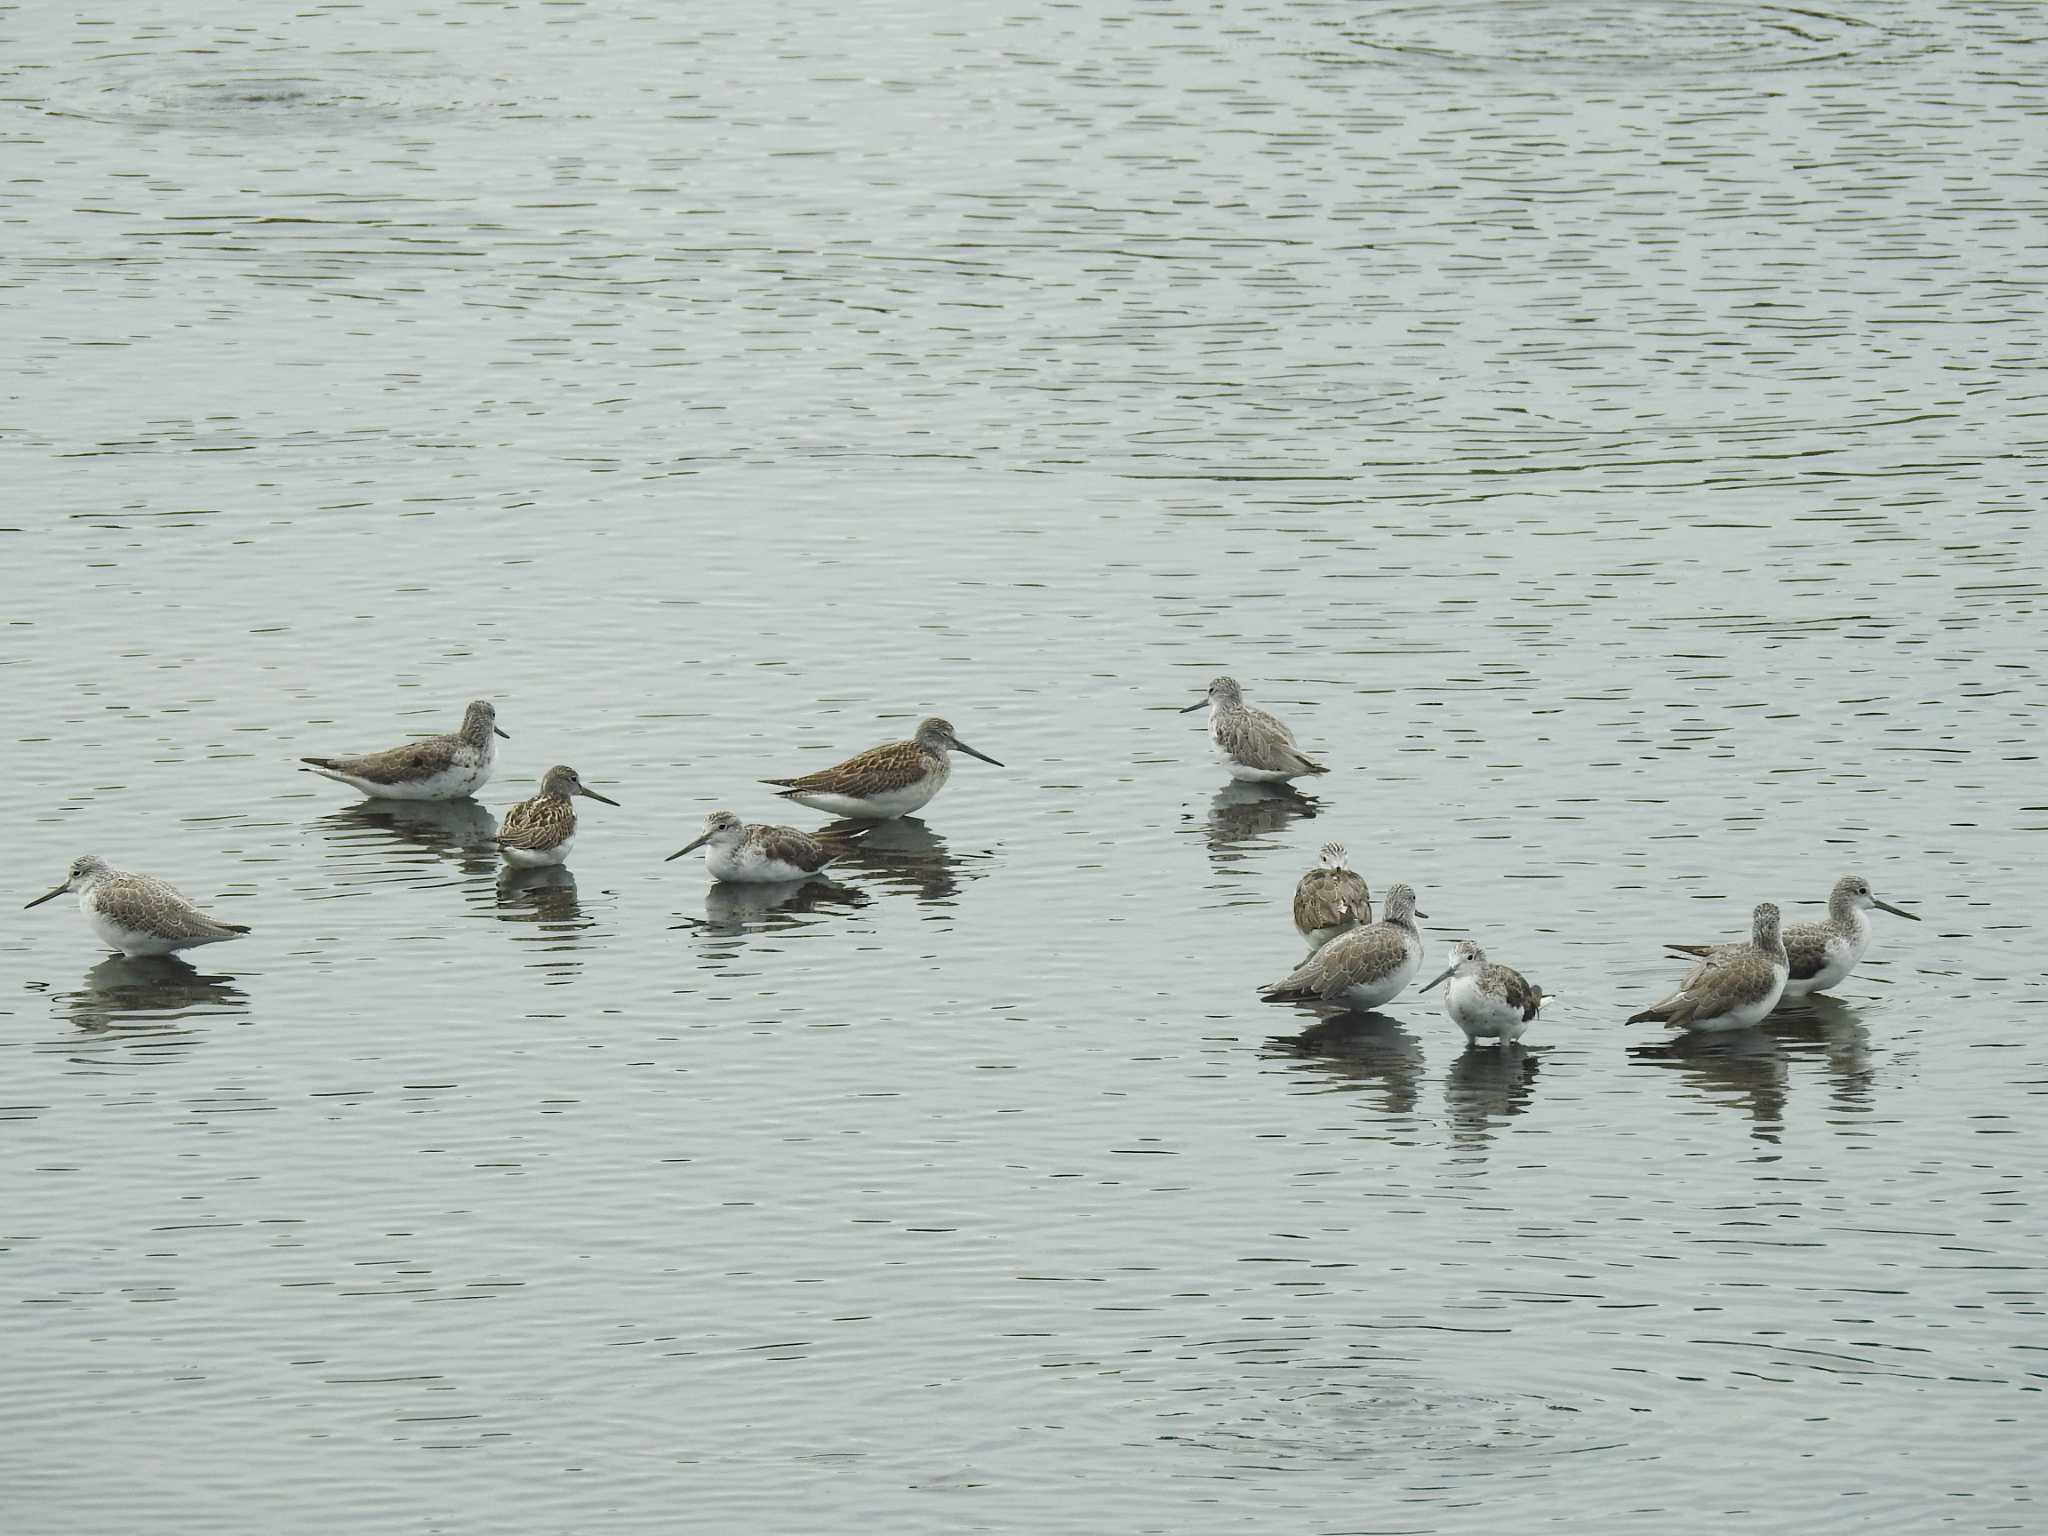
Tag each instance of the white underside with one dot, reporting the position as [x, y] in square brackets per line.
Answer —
[133, 942]
[1388, 987]
[1842, 957]
[1239, 771]
[883, 807]
[1481, 1014]
[531, 858]
[1747, 1016]
[1318, 937]
[449, 784]
[747, 865]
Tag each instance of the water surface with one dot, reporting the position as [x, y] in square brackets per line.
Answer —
[1610, 433]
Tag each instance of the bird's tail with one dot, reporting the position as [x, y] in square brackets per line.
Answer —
[1701, 950]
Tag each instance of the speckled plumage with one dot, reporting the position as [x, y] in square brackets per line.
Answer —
[1734, 991]
[1365, 967]
[1253, 744]
[884, 782]
[762, 853]
[1487, 1001]
[541, 830]
[1330, 898]
[433, 768]
[1818, 955]
[138, 914]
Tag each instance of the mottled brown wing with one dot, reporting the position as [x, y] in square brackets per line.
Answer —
[1256, 739]
[155, 907]
[414, 760]
[873, 772]
[1349, 960]
[539, 824]
[1322, 895]
[1806, 947]
[1519, 990]
[1677, 1009]
[797, 849]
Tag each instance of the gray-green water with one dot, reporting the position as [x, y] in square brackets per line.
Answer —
[1612, 434]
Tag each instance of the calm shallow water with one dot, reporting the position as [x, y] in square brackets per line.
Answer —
[1611, 434]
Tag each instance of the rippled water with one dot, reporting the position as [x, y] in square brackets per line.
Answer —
[1611, 433]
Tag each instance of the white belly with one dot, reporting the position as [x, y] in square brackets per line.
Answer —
[1238, 770]
[452, 783]
[1745, 1017]
[532, 858]
[747, 865]
[883, 807]
[1481, 1014]
[134, 942]
[1371, 994]
[1318, 937]
[1841, 960]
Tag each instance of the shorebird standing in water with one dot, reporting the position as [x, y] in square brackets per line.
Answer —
[540, 831]
[1730, 992]
[1330, 899]
[1365, 967]
[137, 914]
[1488, 1002]
[883, 782]
[1253, 745]
[435, 768]
[1819, 954]
[758, 853]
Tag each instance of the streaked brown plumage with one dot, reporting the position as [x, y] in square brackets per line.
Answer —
[1732, 992]
[545, 821]
[1365, 967]
[883, 782]
[1818, 954]
[1330, 898]
[433, 768]
[138, 914]
[540, 830]
[1253, 744]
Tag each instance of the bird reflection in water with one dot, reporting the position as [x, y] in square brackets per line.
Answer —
[1240, 813]
[155, 999]
[1744, 1069]
[1369, 1049]
[900, 855]
[544, 898]
[544, 894]
[1827, 1027]
[732, 908]
[1752, 1068]
[1486, 1084]
[461, 830]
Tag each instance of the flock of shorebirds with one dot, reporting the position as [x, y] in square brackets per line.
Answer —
[1353, 959]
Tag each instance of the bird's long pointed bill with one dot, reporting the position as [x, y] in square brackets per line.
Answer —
[1441, 979]
[496, 732]
[1885, 906]
[48, 896]
[692, 848]
[972, 753]
[1198, 704]
[607, 799]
